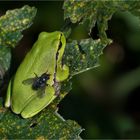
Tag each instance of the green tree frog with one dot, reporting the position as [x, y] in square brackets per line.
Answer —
[44, 57]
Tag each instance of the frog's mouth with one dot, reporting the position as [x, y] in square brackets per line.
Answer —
[56, 85]
[57, 54]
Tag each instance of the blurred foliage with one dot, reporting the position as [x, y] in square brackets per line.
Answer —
[105, 87]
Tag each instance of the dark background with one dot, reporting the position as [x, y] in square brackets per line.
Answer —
[105, 100]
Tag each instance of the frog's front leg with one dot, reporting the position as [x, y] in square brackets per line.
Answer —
[62, 73]
[8, 96]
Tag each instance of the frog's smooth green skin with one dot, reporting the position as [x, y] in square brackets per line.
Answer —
[45, 57]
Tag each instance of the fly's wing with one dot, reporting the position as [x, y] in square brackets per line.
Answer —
[28, 81]
[41, 92]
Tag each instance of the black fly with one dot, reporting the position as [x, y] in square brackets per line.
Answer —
[38, 83]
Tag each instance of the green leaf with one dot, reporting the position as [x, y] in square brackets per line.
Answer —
[5, 57]
[11, 26]
[83, 55]
[92, 12]
[13, 23]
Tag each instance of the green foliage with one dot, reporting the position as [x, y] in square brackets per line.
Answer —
[83, 55]
[93, 11]
[11, 26]
[5, 57]
[46, 125]
[13, 23]
[79, 56]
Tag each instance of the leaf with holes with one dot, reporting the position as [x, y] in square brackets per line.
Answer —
[83, 55]
[92, 12]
